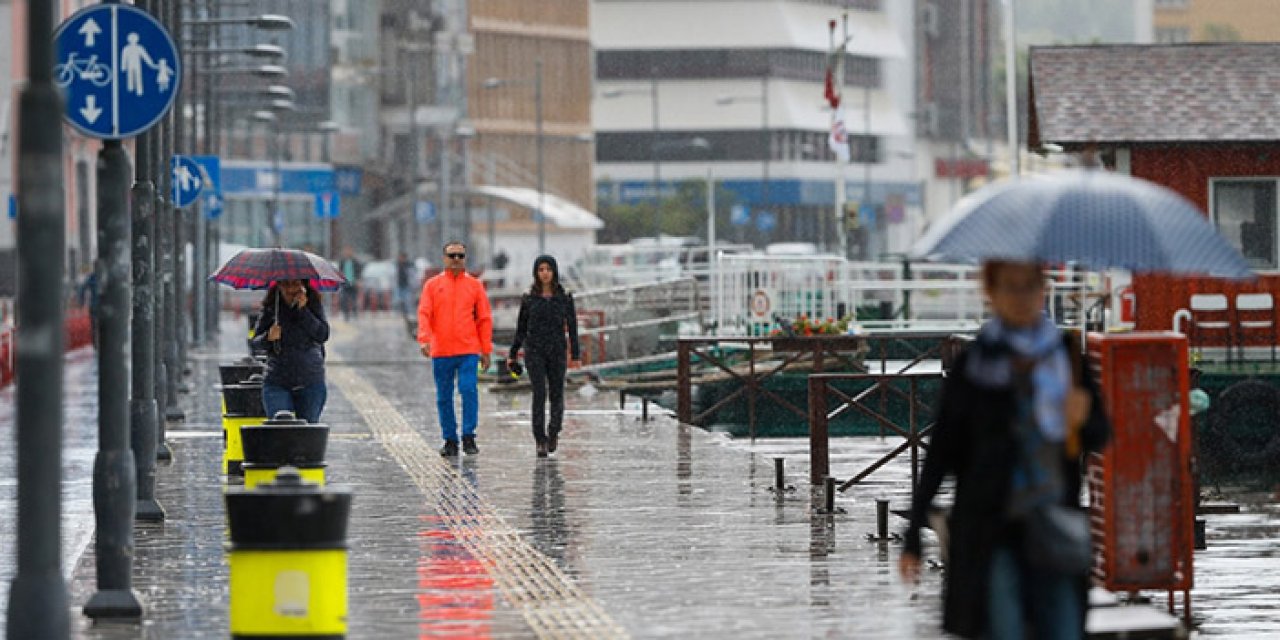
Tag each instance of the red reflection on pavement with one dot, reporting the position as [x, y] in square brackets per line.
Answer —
[455, 592]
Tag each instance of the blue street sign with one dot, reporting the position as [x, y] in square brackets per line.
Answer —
[348, 180]
[766, 221]
[867, 214]
[211, 192]
[13, 206]
[187, 180]
[738, 214]
[328, 205]
[119, 70]
[211, 204]
[424, 211]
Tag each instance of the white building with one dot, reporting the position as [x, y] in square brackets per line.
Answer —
[683, 87]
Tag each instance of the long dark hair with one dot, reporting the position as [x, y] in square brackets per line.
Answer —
[556, 288]
[273, 294]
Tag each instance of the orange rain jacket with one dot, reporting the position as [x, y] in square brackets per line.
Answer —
[454, 316]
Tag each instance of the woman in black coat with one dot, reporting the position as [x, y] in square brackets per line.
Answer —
[547, 315]
[292, 331]
[1017, 413]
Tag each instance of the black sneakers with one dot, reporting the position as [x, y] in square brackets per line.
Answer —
[552, 441]
[542, 450]
[450, 448]
[469, 445]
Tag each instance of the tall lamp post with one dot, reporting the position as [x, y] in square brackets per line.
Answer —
[494, 83]
[652, 92]
[766, 150]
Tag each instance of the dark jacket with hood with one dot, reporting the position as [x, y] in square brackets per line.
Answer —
[545, 320]
[298, 359]
[974, 440]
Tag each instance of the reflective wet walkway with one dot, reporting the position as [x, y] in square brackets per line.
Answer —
[634, 529]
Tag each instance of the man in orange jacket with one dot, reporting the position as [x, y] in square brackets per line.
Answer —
[455, 330]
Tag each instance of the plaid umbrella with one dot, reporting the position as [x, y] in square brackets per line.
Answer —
[258, 268]
[1097, 219]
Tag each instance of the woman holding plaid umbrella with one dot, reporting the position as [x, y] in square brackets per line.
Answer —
[292, 330]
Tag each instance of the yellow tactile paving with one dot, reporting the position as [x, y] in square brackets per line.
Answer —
[548, 599]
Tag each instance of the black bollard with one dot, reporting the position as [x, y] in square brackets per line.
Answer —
[779, 475]
[143, 413]
[829, 494]
[114, 472]
[37, 606]
[882, 519]
[644, 408]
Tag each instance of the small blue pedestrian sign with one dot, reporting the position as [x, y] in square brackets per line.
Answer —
[424, 211]
[211, 204]
[328, 204]
[187, 181]
[766, 221]
[738, 214]
[211, 191]
[119, 70]
[13, 206]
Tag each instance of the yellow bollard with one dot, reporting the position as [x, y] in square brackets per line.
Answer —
[261, 473]
[243, 408]
[284, 440]
[288, 559]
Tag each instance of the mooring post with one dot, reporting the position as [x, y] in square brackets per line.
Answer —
[779, 474]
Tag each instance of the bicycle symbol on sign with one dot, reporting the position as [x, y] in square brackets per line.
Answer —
[86, 69]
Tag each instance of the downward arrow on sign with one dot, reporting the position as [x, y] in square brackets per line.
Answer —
[90, 110]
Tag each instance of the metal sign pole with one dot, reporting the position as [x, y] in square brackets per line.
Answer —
[37, 605]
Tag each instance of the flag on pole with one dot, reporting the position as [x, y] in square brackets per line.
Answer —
[829, 91]
[838, 139]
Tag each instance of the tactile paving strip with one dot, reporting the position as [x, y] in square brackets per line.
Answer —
[531, 582]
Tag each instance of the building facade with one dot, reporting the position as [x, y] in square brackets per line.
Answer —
[687, 90]
[1179, 21]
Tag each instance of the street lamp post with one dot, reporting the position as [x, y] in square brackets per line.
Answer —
[494, 83]
[766, 150]
[655, 157]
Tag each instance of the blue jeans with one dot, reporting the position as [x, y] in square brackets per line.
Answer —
[463, 369]
[1019, 595]
[305, 402]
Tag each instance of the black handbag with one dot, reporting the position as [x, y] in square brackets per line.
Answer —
[1056, 538]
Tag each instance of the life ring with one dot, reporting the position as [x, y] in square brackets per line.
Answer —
[1242, 432]
[760, 303]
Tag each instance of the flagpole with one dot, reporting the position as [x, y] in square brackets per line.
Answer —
[842, 227]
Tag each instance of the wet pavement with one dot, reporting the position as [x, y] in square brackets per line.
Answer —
[633, 529]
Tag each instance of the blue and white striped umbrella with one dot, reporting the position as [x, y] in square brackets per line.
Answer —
[1097, 219]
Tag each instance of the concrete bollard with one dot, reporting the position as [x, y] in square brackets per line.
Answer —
[284, 440]
[288, 559]
[243, 408]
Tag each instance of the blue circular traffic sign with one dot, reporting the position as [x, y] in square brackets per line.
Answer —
[187, 179]
[118, 68]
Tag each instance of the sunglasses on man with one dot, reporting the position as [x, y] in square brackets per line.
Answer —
[456, 256]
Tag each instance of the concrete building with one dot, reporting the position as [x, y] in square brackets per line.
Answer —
[748, 79]
[1178, 21]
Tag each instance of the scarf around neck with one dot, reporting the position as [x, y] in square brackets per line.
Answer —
[990, 366]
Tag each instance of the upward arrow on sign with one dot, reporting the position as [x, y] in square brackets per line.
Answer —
[89, 30]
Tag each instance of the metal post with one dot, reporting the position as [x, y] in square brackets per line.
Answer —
[114, 473]
[445, 218]
[765, 139]
[1011, 88]
[653, 152]
[159, 170]
[829, 495]
[143, 413]
[172, 320]
[842, 225]
[779, 474]
[542, 189]
[38, 594]
[882, 520]
[417, 239]
[181, 222]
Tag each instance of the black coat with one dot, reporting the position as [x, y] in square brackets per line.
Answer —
[298, 360]
[543, 323]
[974, 440]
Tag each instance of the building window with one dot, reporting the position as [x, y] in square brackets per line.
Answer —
[1173, 35]
[1245, 213]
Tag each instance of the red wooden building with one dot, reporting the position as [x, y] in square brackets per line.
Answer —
[1200, 119]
